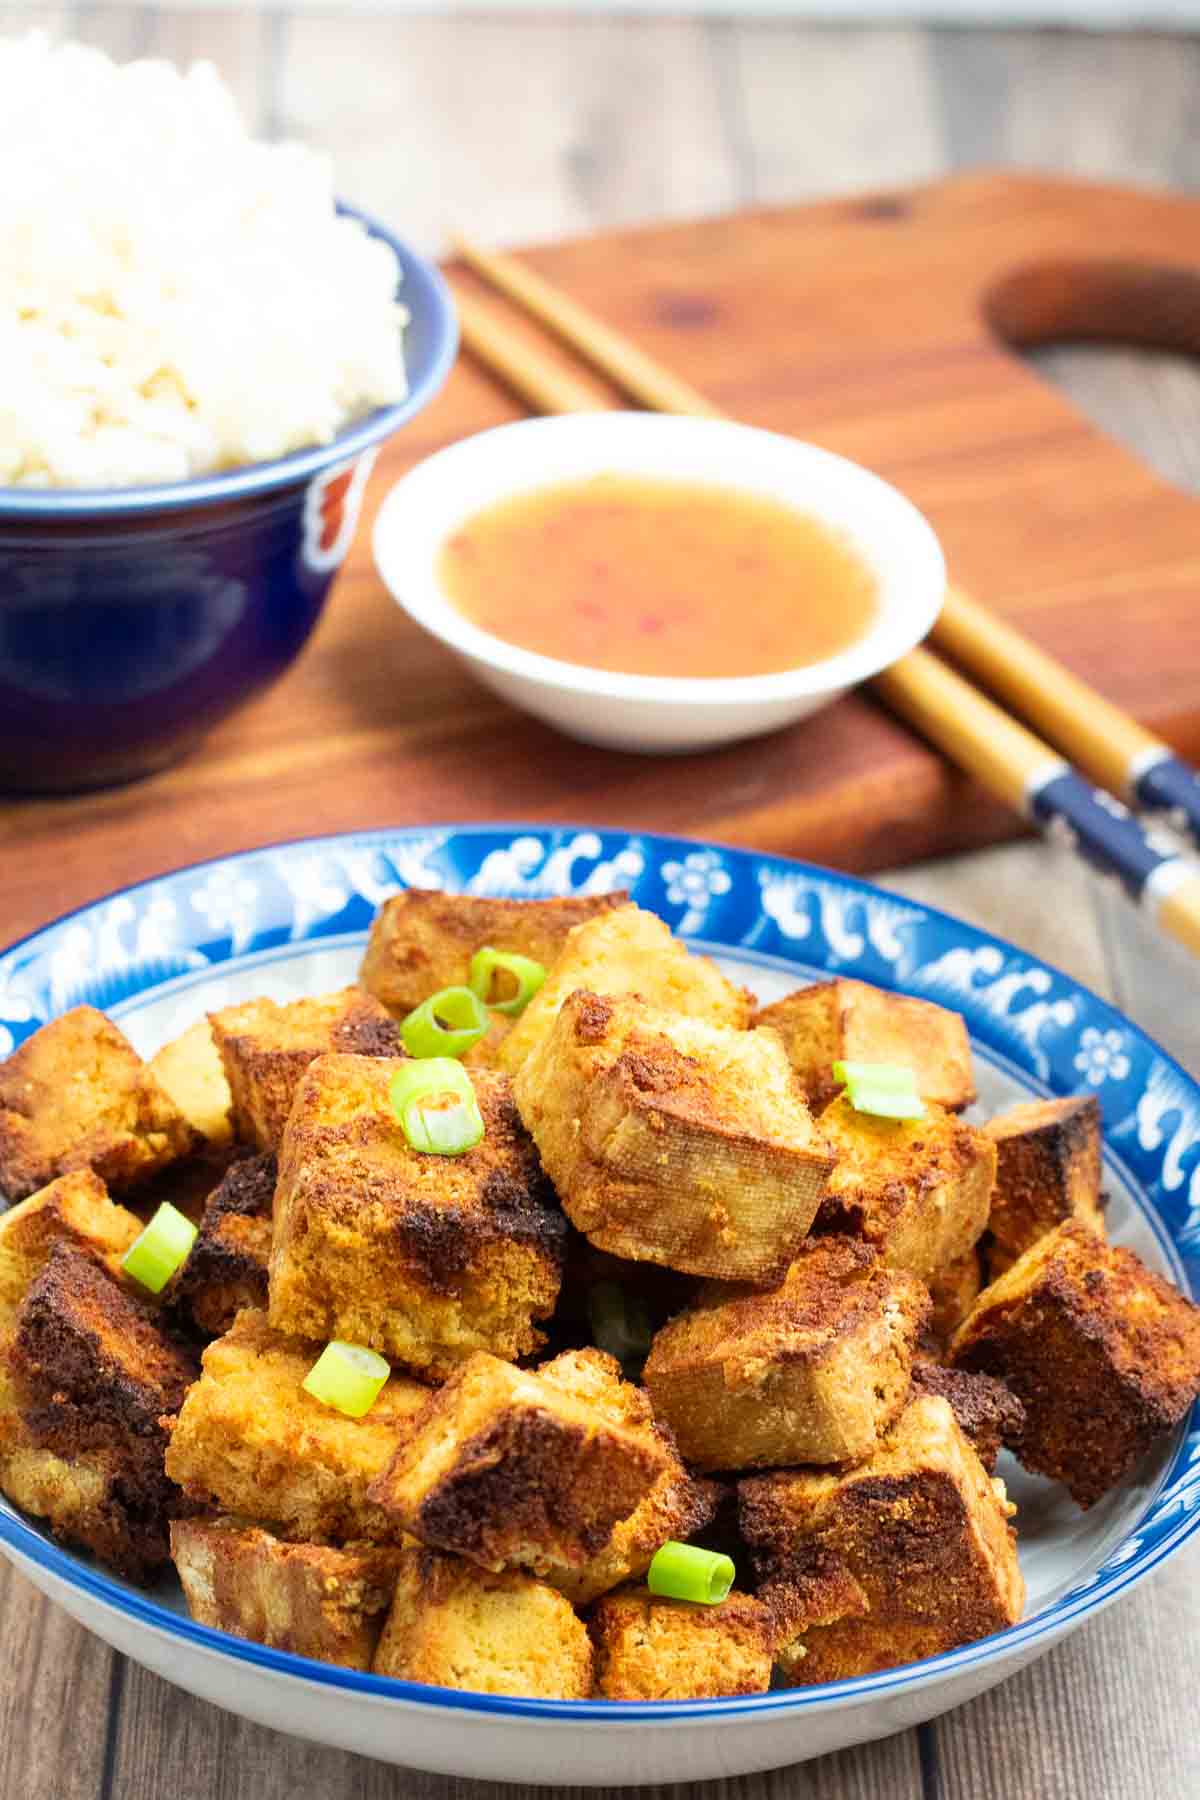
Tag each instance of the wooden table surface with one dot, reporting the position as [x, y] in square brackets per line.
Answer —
[523, 128]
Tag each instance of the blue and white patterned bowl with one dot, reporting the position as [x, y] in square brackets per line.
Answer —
[293, 918]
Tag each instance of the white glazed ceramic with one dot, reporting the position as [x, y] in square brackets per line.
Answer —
[644, 712]
[292, 919]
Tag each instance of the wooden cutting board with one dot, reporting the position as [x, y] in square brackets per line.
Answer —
[881, 327]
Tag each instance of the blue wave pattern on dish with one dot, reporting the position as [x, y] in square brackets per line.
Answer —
[1027, 1012]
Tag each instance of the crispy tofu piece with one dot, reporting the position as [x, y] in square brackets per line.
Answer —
[989, 1414]
[673, 1140]
[265, 1049]
[190, 1069]
[312, 1599]
[76, 1095]
[813, 1371]
[510, 1470]
[954, 1290]
[423, 940]
[851, 1021]
[251, 1442]
[817, 1589]
[74, 1209]
[676, 1506]
[920, 1528]
[425, 1258]
[93, 1375]
[918, 1190]
[628, 951]
[226, 1271]
[649, 1648]
[1047, 1170]
[454, 1625]
[1103, 1354]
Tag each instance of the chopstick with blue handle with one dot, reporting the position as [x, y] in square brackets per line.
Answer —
[1017, 766]
[952, 714]
[1108, 745]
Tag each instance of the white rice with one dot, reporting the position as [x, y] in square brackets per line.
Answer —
[174, 297]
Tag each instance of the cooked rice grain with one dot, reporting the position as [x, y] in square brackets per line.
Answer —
[175, 298]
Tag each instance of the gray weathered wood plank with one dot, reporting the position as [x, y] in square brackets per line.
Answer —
[54, 1698]
[169, 1744]
[818, 111]
[578, 124]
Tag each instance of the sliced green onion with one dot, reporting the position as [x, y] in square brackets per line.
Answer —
[620, 1322]
[684, 1572]
[419, 1092]
[887, 1106]
[888, 1090]
[888, 1078]
[446, 1024]
[487, 963]
[347, 1377]
[160, 1249]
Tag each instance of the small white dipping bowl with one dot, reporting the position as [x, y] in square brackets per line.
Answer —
[658, 712]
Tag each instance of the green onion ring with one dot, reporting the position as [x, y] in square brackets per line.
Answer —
[685, 1572]
[160, 1249]
[528, 975]
[348, 1377]
[423, 1033]
[437, 1129]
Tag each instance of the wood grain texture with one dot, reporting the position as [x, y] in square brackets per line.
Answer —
[858, 323]
[1107, 1715]
[55, 1699]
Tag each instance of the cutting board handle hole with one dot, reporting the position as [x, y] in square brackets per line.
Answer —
[1153, 306]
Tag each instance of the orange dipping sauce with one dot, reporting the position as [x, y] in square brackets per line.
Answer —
[651, 577]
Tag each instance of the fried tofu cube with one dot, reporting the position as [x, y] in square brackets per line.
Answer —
[817, 1589]
[311, 1599]
[79, 1499]
[425, 1258]
[628, 951]
[93, 1375]
[266, 1047]
[1047, 1170]
[673, 1140]
[676, 1506]
[989, 1414]
[76, 1095]
[954, 1290]
[423, 940]
[190, 1069]
[250, 1441]
[458, 1626]
[851, 1021]
[1103, 1354]
[920, 1528]
[226, 1271]
[918, 1190]
[648, 1648]
[509, 1470]
[813, 1371]
[74, 1209]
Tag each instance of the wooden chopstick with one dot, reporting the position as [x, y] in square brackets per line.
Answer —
[543, 386]
[1009, 760]
[1107, 744]
[966, 725]
[635, 373]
